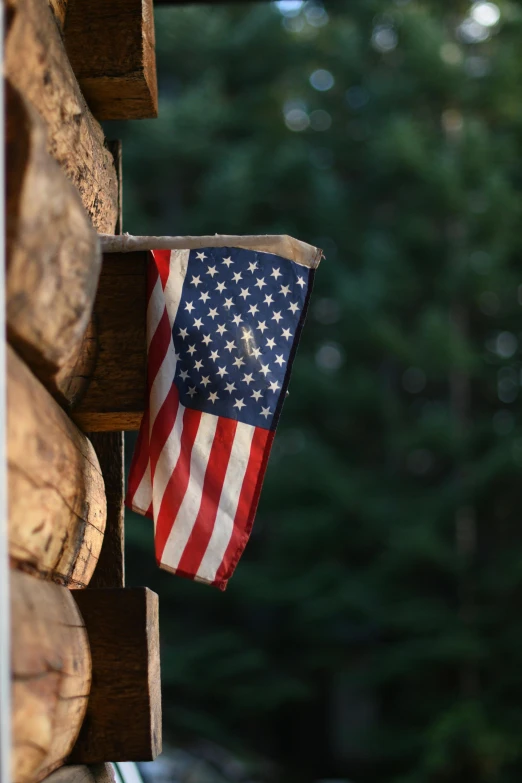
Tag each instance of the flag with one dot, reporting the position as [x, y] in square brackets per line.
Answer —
[223, 325]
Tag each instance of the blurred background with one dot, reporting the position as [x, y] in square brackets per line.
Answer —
[372, 632]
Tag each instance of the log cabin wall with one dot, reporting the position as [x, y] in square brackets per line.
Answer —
[85, 659]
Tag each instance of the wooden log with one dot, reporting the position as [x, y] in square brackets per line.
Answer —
[80, 773]
[111, 47]
[123, 720]
[53, 256]
[59, 9]
[115, 398]
[57, 506]
[51, 676]
[36, 64]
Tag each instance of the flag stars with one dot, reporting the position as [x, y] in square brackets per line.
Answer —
[204, 296]
[265, 369]
[191, 349]
[200, 256]
[183, 374]
[222, 371]
[236, 277]
[248, 379]
[256, 353]
[269, 299]
[294, 307]
[256, 395]
[253, 309]
[221, 329]
[227, 262]
[198, 364]
[189, 307]
[220, 287]
[182, 333]
[228, 303]
[279, 359]
[213, 396]
[207, 339]
[261, 325]
[196, 280]
[237, 320]
[198, 323]
[252, 266]
[192, 391]
[275, 273]
[211, 270]
[301, 282]
[273, 386]
[230, 346]
[277, 316]
[244, 293]
[265, 412]
[230, 387]
[212, 313]
[270, 343]
[205, 380]
[214, 355]
[286, 333]
[238, 362]
[239, 404]
[260, 282]
[247, 335]
[285, 290]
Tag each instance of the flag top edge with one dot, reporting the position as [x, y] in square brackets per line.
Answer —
[278, 244]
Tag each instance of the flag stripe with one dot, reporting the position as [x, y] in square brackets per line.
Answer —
[139, 464]
[178, 482]
[204, 525]
[168, 458]
[246, 508]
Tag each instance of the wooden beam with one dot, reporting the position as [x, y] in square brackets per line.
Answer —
[79, 773]
[115, 398]
[57, 506]
[123, 720]
[51, 676]
[53, 256]
[111, 47]
[36, 64]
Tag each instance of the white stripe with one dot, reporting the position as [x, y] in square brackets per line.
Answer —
[143, 496]
[177, 272]
[224, 524]
[188, 512]
[167, 462]
[155, 310]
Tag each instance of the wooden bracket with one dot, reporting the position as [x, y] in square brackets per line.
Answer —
[123, 719]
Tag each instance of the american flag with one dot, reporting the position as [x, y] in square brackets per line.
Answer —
[223, 325]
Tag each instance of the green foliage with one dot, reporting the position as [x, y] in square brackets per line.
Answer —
[387, 551]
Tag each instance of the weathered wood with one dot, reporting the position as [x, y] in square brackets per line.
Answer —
[59, 9]
[53, 255]
[37, 65]
[57, 506]
[79, 773]
[111, 47]
[123, 720]
[51, 676]
[110, 571]
[115, 398]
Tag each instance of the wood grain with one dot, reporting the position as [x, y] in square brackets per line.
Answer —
[56, 495]
[59, 9]
[115, 398]
[80, 773]
[111, 47]
[123, 720]
[36, 64]
[53, 255]
[51, 676]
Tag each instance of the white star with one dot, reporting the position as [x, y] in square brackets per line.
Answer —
[265, 369]
[270, 343]
[221, 371]
[230, 345]
[293, 307]
[237, 320]
[252, 266]
[213, 397]
[221, 329]
[220, 287]
[204, 296]
[279, 360]
[189, 306]
[239, 404]
[286, 333]
[261, 325]
[285, 289]
[196, 280]
[198, 323]
[260, 282]
[256, 352]
[191, 349]
[228, 303]
[214, 355]
[253, 309]
[230, 387]
[192, 391]
[301, 282]
[265, 412]
[212, 313]
[182, 333]
[244, 293]
[198, 365]
[275, 273]
[207, 339]
[176, 356]
[236, 277]
[227, 261]
[247, 334]
[277, 317]
[248, 378]
[211, 270]
[205, 380]
[274, 386]
[269, 299]
[183, 374]
[256, 395]
[200, 256]
[238, 362]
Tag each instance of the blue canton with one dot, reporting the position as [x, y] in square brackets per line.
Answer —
[234, 331]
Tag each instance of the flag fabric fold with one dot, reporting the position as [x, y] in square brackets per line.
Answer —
[223, 324]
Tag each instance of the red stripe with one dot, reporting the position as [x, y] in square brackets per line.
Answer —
[152, 276]
[158, 348]
[162, 259]
[162, 427]
[140, 459]
[178, 482]
[212, 487]
[247, 505]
